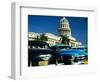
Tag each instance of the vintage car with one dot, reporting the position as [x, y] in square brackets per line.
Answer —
[39, 54]
[40, 57]
[85, 55]
[67, 55]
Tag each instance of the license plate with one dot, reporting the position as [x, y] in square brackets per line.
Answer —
[43, 63]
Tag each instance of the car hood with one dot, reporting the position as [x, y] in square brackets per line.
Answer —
[71, 52]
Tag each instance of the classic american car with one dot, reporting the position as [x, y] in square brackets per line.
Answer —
[85, 55]
[40, 57]
[67, 55]
[39, 54]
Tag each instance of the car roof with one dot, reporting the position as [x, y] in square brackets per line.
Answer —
[36, 51]
[37, 43]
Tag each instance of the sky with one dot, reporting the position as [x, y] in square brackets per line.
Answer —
[50, 24]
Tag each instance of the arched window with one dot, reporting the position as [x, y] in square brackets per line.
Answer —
[63, 21]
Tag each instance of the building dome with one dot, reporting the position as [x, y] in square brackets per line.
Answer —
[64, 27]
[64, 21]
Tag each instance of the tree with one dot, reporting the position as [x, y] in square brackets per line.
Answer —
[43, 38]
[37, 38]
[65, 40]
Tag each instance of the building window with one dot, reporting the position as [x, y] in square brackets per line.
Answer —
[65, 25]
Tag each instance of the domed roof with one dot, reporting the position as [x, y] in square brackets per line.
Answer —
[64, 20]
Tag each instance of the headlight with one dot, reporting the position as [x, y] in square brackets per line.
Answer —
[45, 56]
[73, 57]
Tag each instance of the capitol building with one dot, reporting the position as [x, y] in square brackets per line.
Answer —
[64, 29]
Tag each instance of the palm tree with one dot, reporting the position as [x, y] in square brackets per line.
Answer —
[65, 40]
[43, 38]
[37, 38]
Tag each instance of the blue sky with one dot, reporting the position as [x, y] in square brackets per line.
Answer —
[43, 24]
